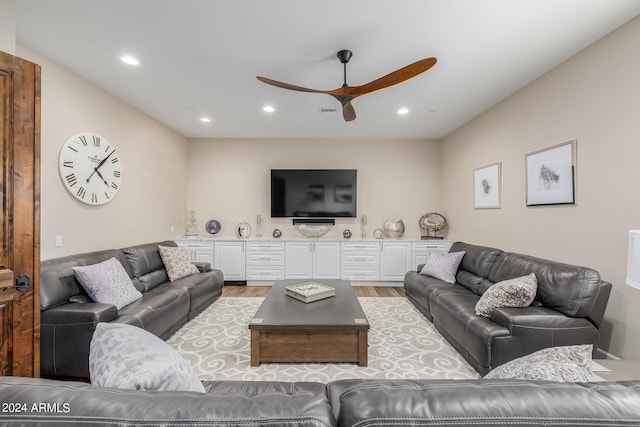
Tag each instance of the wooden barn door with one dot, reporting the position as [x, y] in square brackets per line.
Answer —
[19, 217]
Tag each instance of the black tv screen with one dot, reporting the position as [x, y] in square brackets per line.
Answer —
[313, 193]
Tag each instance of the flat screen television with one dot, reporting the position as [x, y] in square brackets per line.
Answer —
[313, 193]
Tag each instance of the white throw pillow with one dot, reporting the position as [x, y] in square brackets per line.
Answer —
[128, 357]
[443, 266]
[567, 363]
[518, 292]
[108, 283]
[176, 261]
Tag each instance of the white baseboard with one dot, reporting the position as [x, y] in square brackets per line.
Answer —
[606, 354]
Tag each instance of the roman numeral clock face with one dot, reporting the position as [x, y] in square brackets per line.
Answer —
[90, 168]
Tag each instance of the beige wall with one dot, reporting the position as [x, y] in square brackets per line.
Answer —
[154, 159]
[8, 26]
[594, 98]
[229, 179]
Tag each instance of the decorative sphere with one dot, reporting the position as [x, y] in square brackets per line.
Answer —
[277, 233]
[346, 234]
[213, 226]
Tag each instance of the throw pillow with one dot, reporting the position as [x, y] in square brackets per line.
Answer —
[442, 266]
[518, 292]
[108, 283]
[128, 357]
[567, 364]
[176, 261]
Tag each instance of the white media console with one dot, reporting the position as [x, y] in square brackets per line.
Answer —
[364, 262]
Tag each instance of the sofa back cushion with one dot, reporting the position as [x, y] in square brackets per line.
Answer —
[58, 282]
[475, 266]
[147, 264]
[569, 289]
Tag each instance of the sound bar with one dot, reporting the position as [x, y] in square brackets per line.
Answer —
[325, 221]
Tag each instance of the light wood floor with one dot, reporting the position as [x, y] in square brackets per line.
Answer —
[360, 291]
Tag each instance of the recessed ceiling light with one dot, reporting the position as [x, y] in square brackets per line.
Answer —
[268, 109]
[403, 111]
[129, 60]
[205, 119]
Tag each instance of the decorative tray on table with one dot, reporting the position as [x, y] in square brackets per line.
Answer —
[310, 291]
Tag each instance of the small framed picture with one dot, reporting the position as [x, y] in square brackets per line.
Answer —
[486, 185]
[551, 175]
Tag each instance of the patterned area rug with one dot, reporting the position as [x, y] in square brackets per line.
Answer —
[402, 344]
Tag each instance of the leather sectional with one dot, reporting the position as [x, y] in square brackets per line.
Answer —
[69, 317]
[343, 403]
[568, 308]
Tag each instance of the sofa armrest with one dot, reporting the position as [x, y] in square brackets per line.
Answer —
[202, 266]
[79, 313]
[535, 317]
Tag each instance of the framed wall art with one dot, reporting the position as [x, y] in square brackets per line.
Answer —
[486, 185]
[551, 175]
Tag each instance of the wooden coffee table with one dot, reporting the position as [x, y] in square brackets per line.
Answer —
[285, 329]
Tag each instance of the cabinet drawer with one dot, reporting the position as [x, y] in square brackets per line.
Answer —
[265, 246]
[361, 246]
[265, 273]
[362, 258]
[207, 246]
[265, 258]
[355, 273]
[431, 246]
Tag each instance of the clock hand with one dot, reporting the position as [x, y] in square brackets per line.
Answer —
[101, 177]
[104, 160]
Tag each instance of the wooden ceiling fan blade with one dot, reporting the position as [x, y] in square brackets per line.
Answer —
[288, 86]
[398, 76]
[348, 113]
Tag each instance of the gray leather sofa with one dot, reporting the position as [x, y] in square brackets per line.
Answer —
[567, 310]
[69, 317]
[343, 403]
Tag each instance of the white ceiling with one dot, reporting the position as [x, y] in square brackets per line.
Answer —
[201, 57]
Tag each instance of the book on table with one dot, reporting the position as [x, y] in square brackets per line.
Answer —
[310, 291]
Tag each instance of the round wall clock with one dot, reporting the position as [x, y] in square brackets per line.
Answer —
[90, 168]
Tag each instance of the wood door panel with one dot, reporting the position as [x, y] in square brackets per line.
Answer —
[20, 220]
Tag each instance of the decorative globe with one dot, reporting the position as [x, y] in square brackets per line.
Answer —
[213, 226]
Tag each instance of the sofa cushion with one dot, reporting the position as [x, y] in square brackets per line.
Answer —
[442, 266]
[478, 260]
[60, 282]
[571, 290]
[566, 363]
[177, 263]
[107, 283]
[128, 357]
[518, 292]
[146, 258]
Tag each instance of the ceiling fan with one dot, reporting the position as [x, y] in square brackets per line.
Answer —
[345, 94]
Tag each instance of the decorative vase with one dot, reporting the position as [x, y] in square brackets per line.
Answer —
[277, 233]
[393, 229]
[192, 229]
[346, 234]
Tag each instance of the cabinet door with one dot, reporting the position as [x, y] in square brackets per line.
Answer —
[229, 258]
[326, 260]
[395, 260]
[298, 260]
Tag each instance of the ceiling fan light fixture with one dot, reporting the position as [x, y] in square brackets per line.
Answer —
[128, 59]
[402, 111]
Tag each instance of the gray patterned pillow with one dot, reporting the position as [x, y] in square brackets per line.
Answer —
[442, 266]
[568, 364]
[518, 292]
[128, 357]
[108, 283]
[176, 261]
